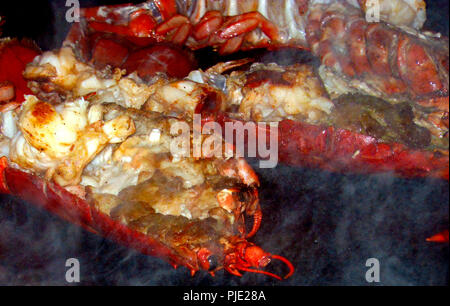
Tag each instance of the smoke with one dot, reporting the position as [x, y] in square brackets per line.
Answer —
[328, 225]
[33, 245]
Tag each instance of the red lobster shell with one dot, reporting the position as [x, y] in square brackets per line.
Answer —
[14, 56]
[340, 150]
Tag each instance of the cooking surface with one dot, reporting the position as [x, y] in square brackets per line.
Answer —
[326, 224]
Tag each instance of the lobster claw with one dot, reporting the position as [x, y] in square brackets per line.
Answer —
[249, 257]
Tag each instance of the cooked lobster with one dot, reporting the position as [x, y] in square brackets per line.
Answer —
[126, 34]
[110, 170]
[390, 59]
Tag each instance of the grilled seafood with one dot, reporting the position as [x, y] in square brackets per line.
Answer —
[313, 129]
[358, 59]
[59, 74]
[353, 132]
[389, 63]
[110, 170]
[116, 167]
[378, 58]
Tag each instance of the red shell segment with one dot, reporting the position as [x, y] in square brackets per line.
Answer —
[14, 56]
[160, 58]
[340, 150]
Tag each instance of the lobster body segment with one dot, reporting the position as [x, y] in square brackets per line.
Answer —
[143, 55]
[339, 150]
[343, 151]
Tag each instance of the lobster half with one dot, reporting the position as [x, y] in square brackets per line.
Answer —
[117, 178]
[390, 59]
[211, 236]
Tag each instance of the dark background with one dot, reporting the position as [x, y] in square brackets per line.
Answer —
[327, 224]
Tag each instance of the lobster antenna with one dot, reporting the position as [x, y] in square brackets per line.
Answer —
[261, 272]
[287, 262]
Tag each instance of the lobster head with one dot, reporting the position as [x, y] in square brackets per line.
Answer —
[240, 255]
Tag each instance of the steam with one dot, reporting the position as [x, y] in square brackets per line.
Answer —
[33, 244]
[326, 224]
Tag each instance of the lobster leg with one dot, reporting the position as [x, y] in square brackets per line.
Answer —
[232, 31]
[210, 23]
[257, 217]
[178, 24]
